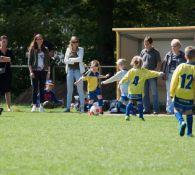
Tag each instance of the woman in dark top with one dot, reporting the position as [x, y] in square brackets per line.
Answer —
[39, 67]
[5, 71]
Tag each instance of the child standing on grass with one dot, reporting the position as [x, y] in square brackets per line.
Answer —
[93, 84]
[182, 90]
[121, 64]
[137, 77]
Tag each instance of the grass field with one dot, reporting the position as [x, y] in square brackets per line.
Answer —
[55, 143]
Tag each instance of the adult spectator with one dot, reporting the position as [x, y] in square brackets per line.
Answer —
[151, 61]
[39, 67]
[172, 59]
[74, 69]
[6, 56]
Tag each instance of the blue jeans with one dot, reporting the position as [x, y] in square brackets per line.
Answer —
[151, 84]
[71, 76]
[38, 85]
[169, 103]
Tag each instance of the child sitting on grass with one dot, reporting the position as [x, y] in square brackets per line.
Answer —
[137, 77]
[50, 99]
[93, 84]
[182, 90]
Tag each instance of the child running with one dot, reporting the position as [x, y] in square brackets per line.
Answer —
[93, 84]
[182, 90]
[121, 64]
[137, 77]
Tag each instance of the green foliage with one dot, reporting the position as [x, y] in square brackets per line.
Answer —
[90, 20]
[57, 143]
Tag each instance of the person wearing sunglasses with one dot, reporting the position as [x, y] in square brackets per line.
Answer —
[74, 69]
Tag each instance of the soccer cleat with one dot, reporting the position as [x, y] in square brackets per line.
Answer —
[41, 109]
[1, 110]
[182, 128]
[33, 108]
[127, 118]
[142, 119]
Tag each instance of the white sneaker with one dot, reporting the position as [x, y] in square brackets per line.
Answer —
[33, 108]
[41, 109]
[9, 110]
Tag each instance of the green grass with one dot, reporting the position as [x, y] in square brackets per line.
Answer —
[55, 143]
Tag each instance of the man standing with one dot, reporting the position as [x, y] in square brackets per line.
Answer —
[152, 61]
[172, 59]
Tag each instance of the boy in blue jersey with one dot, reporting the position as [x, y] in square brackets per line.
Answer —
[182, 90]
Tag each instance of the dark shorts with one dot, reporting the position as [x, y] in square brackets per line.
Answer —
[5, 82]
[93, 94]
[136, 97]
[182, 104]
[124, 98]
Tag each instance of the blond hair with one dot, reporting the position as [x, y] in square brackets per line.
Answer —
[95, 63]
[136, 62]
[176, 42]
[190, 52]
[121, 61]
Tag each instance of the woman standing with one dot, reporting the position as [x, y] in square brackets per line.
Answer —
[74, 69]
[5, 71]
[39, 67]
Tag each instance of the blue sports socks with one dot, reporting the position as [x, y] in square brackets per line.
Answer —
[179, 117]
[189, 119]
[129, 108]
[100, 102]
[140, 110]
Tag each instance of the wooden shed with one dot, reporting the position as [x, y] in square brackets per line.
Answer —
[129, 42]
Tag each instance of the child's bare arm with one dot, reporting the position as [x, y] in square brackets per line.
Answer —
[103, 76]
[78, 81]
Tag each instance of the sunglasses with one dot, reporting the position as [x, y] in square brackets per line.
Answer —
[74, 42]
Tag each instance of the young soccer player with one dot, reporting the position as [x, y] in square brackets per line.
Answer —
[137, 77]
[182, 90]
[93, 84]
[121, 64]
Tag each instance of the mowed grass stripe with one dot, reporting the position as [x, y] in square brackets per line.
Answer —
[58, 143]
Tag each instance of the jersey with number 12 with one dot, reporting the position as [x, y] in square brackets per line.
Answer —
[137, 78]
[183, 82]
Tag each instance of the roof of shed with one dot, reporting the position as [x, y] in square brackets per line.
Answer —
[187, 32]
